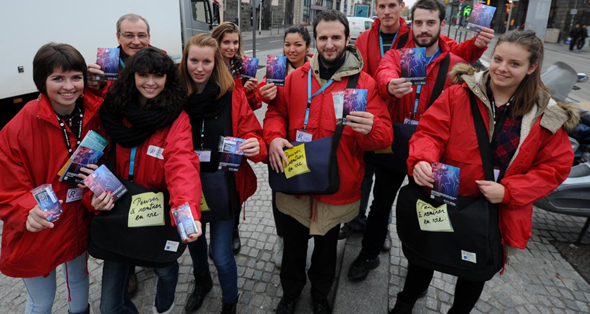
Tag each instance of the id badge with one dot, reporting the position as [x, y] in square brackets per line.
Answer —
[410, 121]
[204, 155]
[74, 194]
[303, 136]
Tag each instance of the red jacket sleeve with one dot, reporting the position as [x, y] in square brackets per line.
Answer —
[550, 167]
[276, 120]
[259, 96]
[182, 166]
[389, 68]
[432, 134]
[466, 50]
[381, 136]
[249, 127]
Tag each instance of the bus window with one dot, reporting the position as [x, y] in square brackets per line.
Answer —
[200, 11]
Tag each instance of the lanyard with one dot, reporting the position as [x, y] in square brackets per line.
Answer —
[122, 63]
[500, 123]
[202, 131]
[419, 88]
[310, 96]
[132, 162]
[66, 136]
[381, 41]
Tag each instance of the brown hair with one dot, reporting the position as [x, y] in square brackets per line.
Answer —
[51, 57]
[228, 28]
[221, 75]
[527, 93]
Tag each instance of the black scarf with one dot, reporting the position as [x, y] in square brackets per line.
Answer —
[327, 73]
[144, 122]
[206, 105]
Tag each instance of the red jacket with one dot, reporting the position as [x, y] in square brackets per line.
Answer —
[177, 170]
[368, 44]
[32, 151]
[252, 97]
[245, 125]
[543, 160]
[389, 68]
[286, 116]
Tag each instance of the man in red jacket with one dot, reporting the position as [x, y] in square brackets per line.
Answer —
[390, 30]
[133, 34]
[406, 103]
[297, 114]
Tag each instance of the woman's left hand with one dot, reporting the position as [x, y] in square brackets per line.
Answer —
[251, 147]
[251, 84]
[493, 191]
[86, 171]
[194, 236]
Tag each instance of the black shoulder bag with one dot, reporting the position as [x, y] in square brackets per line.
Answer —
[474, 249]
[403, 132]
[111, 239]
[323, 177]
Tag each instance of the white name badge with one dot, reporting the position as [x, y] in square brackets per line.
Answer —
[303, 136]
[410, 121]
[74, 194]
[204, 155]
[155, 151]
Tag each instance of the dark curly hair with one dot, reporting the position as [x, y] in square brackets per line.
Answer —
[150, 61]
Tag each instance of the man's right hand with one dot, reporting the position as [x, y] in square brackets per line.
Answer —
[94, 70]
[399, 87]
[276, 154]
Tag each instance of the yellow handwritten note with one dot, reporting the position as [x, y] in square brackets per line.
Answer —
[387, 150]
[432, 218]
[297, 161]
[147, 209]
[204, 207]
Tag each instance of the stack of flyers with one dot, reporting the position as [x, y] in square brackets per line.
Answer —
[89, 152]
[184, 221]
[481, 16]
[103, 180]
[249, 68]
[231, 154]
[276, 70]
[413, 65]
[354, 100]
[446, 183]
[108, 59]
[47, 200]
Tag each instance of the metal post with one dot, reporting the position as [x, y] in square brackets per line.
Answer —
[260, 18]
[509, 16]
[253, 30]
[239, 13]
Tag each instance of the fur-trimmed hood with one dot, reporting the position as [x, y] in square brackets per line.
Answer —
[555, 114]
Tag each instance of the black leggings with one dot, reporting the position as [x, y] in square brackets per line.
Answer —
[418, 279]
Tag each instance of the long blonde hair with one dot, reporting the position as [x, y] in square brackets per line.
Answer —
[220, 75]
[228, 28]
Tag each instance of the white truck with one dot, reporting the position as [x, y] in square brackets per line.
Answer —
[87, 25]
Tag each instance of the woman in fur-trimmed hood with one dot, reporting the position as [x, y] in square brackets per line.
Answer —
[531, 152]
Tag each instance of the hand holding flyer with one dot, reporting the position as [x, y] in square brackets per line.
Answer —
[102, 179]
[231, 155]
[413, 65]
[108, 59]
[47, 200]
[446, 183]
[481, 16]
[249, 68]
[276, 70]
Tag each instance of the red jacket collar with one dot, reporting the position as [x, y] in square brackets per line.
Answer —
[403, 26]
[91, 105]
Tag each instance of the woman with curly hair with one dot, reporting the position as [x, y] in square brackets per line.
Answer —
[143, 116]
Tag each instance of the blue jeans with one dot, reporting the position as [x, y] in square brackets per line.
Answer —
[223, 257]
[41, 290]
[115, 279]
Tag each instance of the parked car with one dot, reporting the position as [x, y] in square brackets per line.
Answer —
[358, 25]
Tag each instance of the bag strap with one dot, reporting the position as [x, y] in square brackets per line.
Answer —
[441, 78]
[483, 139]
[112, 160]
[403, 39]
[352, 81]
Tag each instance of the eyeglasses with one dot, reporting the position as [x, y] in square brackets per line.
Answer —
[131, 36]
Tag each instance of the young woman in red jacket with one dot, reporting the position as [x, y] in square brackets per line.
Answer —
[530, 149]
[33, 147]
[218, 109]
[143, 114]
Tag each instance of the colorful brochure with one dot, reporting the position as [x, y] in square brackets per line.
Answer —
[47, 200]
[413, 65]
[249, 68]
[354, 100]
[276, 70]
[108, 59]
[88, 152]
[446, 183]
[231, 154]
[481, 16]
[103, 180]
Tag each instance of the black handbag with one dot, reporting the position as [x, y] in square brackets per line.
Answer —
[111, 239]
[474, 249]
[403, 132]
[323, 177]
